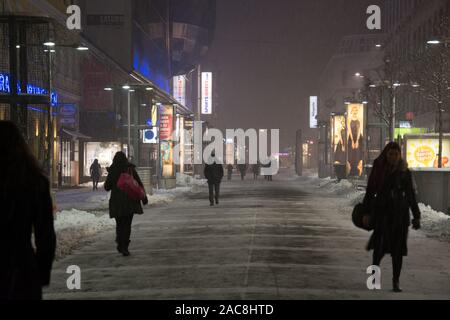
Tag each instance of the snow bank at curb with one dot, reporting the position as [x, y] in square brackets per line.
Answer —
[435, 222]
[73, 226]
[185, 180]
[89, 185]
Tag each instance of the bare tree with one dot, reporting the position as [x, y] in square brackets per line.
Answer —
[381, 90]
[429, 68]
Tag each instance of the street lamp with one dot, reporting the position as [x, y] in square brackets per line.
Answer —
[444, 42]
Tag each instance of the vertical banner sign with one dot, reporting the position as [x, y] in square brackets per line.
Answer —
[206, 93]
[338, 140]
[179, 89]
[313, 112]
[166, 141]
[355, 139]
[188, 141]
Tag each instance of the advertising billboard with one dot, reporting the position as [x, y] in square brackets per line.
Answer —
[338, 141]
[206, 93]
[355, 139]
[313, 112]
[166, 123]
[179, 89]
[423, 153]
[166, 130]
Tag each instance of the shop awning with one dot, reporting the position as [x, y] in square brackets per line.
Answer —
[76, 134]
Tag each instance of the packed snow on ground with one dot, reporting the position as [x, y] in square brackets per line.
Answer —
[74, 226]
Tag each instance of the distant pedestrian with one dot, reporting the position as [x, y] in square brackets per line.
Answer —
[229, 171]
[268, 177]
[256, 168]
[243, 170]
[121, 206]
[26, 210]
[96, 171]
[214, 174]
[389, 197]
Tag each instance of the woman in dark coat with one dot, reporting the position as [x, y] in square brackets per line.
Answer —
[390, 196]
[96, 171]
[121, 207]
[26, 206]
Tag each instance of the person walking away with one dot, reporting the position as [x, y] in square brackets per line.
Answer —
[95, 171]
[26, 212]
[229, 171]
[389, 197]
[121, 207]
[255, 169]
[214, 174]
[242, 170]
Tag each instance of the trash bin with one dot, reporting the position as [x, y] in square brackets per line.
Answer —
[368, 170]
[339, 170]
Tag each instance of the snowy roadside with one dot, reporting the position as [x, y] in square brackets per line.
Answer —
[434, 224]
[76, 226]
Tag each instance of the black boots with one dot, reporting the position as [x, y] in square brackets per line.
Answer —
[123, 248]
[396, 286]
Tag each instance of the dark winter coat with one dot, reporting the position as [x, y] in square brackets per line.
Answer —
[120, 205]
[256, 168]
[389, 197]
[95, 170]
[213, 173]
[23, 269]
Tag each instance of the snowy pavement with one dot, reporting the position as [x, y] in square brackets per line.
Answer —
[82, 213]
[287, 239]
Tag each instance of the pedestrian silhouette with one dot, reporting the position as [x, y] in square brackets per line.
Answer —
[27, 210]
[229, 171]
[121, 206]
[243, 170]
[95, 171]
[390, 194]
[255, 169]
[214, 174]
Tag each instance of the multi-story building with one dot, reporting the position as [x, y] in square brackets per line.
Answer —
[410, 24]
[140, 43]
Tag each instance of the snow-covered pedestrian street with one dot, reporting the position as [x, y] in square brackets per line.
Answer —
[287, 239]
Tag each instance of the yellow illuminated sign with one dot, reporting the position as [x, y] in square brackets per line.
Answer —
[423, 153]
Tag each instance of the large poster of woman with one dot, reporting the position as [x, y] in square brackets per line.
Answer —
[355, 139]
[339, 145]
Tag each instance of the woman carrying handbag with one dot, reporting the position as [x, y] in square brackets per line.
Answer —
[123, 203]
[390, 196]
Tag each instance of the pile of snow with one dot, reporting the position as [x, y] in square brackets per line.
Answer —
[343, 187]
[187, 180]
[434, 222]
[89, 185]
[74, 226]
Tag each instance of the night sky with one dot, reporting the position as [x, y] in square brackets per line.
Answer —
[268, 56]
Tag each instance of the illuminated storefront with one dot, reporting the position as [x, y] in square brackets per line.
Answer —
[103, 151]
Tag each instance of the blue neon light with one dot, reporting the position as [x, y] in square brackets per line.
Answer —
[31, 89]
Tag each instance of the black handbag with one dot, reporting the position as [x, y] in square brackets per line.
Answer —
[358, 214]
